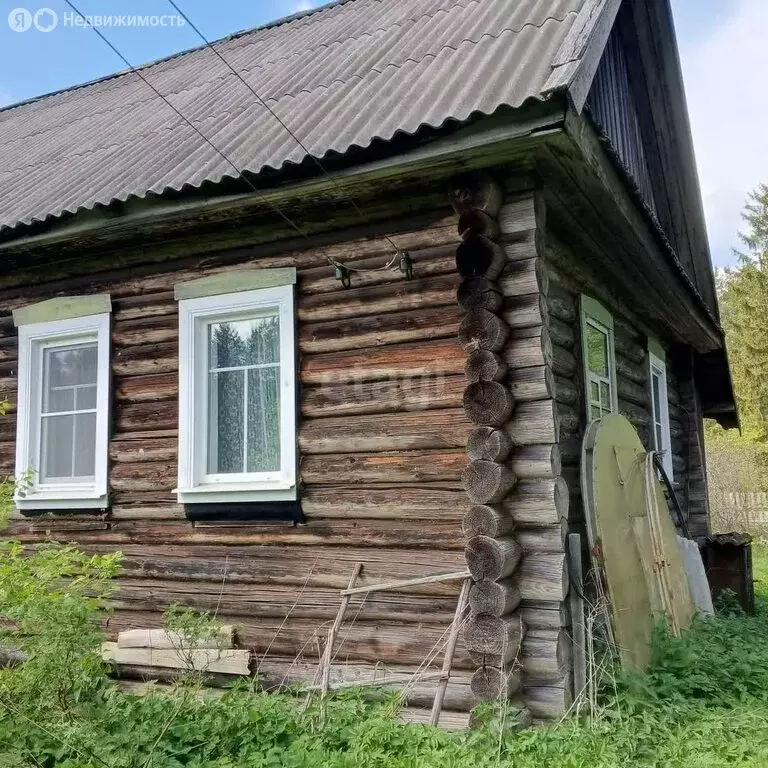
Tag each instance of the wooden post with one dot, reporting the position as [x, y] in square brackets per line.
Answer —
[449, 651]
[577, 617]
[332, 632]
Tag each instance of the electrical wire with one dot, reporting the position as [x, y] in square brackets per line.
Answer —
[263, 103]
[240, 173]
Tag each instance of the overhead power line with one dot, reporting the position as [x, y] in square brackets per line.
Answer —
[239, 172]
[263, 103]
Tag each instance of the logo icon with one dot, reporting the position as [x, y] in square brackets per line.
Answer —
[19, 19]
[45, 20]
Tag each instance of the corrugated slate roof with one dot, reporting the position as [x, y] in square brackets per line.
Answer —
[339, 77]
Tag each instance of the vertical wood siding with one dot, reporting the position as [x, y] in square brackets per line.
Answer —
[613, 107]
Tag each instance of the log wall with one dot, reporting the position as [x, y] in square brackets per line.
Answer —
[516, 526]
[569, 277]
[382, 442]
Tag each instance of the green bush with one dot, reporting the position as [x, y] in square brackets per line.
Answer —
[702, 704]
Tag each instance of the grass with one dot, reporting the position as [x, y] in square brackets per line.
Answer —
[702, 704]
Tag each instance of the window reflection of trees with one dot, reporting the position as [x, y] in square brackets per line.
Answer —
[244, 402]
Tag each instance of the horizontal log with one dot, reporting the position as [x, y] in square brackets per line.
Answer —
[167, 511]
[145, 330]
[545, 654]
[560, 303]
[483, 365]
[631, 370]
[533, 423]
[442, 356]
[147, 449]
[448, 721]
[524, 277]
[563, 361]
[523, 311]
[392, 467]
[549, 539]
[146, 417]
[536, 461]
[481, 329]
[372, 642]
[564, 391]
[495, 637]
[270, 601]
[494, 683]
[544, 615]
[538, 502]
[487, 482]
[143, 476]
[529, 351]
[547, 702]
[492, 559]
[358, 533]
[439, 259]
[278, 674]
[378, 299]
[446, 428]
[289, 567]
[144, 305]
[479, 293]
[401, 502]
[494, 598]
[147, 388]
[488, 403]
[632, 392]
[396, 327]
[517, 215]
[543, 577]
[527, 384]
[142, 359]
[389, 396]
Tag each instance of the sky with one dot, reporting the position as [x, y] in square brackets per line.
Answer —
[721, 47]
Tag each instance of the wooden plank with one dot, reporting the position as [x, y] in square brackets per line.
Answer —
[391, 585]
[226, 661]
[162, 639]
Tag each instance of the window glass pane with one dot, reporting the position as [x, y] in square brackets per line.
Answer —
[57, 443]
[595, 412]
[656, 396]
[597, 351]
[65, 370]
[659, 444]
[244, 342]
[605, 396]
[594, 391]
[85, 397]
[264, 420]
[226, 420]
[85, 445]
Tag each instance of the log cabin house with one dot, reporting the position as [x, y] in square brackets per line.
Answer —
[253, 353]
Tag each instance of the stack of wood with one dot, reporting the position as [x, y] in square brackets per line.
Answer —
[149, 649]
[516, 527]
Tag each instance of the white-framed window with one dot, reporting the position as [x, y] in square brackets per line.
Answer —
[237, 397]
[62, 429]
[657, 381]
[599, 359]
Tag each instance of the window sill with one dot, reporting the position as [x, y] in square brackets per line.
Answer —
[229, 494]
[60, 501]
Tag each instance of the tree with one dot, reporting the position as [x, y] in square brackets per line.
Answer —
[744, 312]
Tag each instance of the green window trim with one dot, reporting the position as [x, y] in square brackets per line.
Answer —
[62, 308]
[234, 282]
[595, 318]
